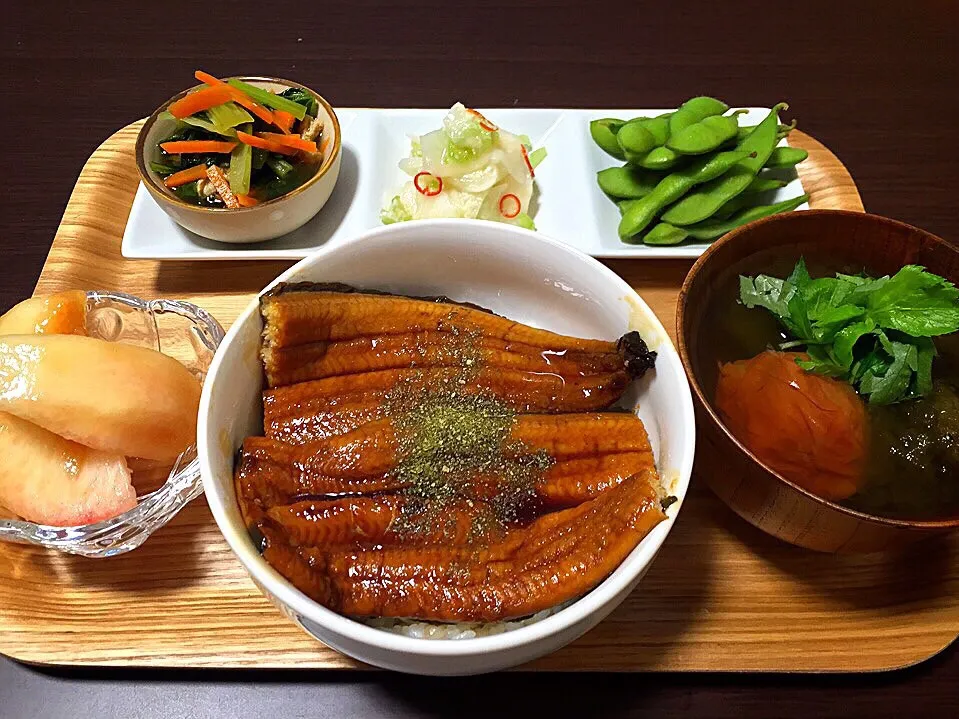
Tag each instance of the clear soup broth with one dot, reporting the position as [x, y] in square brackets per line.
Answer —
[912, 470]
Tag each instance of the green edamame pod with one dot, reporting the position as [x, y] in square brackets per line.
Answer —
[627, 182]
[764, 184]
[694, 110]
[603, 132]
[705, 135]
[635, 138]
[782, 131]
[659, 158]
[658, 129]
[749, 196]
[786, 157]
[674, 186]
[665, 234]
[624, 205]
[712, 229]
[706, 200]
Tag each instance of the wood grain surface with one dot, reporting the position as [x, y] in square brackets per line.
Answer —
[721, 595]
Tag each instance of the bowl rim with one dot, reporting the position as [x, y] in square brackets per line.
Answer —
[158, 190]
[574, 613]
[713, 416]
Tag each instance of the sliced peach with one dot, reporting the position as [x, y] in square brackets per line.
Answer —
[50, 480]
[64, 313]
[110, 396]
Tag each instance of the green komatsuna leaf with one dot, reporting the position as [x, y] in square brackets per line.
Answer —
[893, 385]
[917, 303]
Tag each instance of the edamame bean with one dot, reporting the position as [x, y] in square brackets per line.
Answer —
[658, 129]
[693, 111]
[706, 200]
[706, 135]
[786, 156]
[603, 132]
[624, 205]
[627, 182]
[635, 138]
[659, 158]
[674, 186]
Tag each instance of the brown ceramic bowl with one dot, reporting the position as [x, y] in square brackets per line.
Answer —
[759, 495]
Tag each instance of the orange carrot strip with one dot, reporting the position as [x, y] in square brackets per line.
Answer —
[294, 141]
[268, 145]
[180, 147]
[325, 144]
[192, 174]
[237, 95]
[222, 187]
[247, 200]
[283, 120]
[198, 101]
[207, 78]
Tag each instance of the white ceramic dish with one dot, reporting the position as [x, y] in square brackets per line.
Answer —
[265, 221]
[570, 205]
[514, 272]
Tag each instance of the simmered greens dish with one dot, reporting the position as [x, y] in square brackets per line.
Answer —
[236, 145]
[848, 385]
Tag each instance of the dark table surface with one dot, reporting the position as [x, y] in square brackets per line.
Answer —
[875, 81]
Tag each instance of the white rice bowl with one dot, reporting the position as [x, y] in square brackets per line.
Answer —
[513, 272]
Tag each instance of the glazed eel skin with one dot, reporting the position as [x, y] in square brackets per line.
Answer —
[558, 557]
[592, 451]
[315, 331]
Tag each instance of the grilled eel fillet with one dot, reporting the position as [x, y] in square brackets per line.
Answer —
[313, 331]
[558, 557]
[592, 452]
[311, 411]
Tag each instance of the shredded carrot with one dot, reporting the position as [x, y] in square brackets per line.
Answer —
[294, 141]
[198, 101]
[222, 187]
[192, 174]
[263, 144]
[325, 144]
[247, 200]
[180, 147]
[237, 95]
[283, 120]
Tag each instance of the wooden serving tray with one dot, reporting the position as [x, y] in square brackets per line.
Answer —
[721, 595]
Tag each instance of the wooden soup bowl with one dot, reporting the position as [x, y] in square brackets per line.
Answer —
[844, 240]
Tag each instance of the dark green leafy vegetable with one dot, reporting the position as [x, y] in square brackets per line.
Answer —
[873, 333]
[304, 98]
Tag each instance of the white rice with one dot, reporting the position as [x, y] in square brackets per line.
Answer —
[463, 630]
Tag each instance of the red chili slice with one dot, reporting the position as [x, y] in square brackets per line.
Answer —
[429, 190]
[504, 205]
[484, 123]
[526, 159]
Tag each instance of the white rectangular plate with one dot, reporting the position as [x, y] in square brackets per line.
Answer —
[570, 205]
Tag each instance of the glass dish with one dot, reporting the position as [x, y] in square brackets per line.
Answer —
[183, 331]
